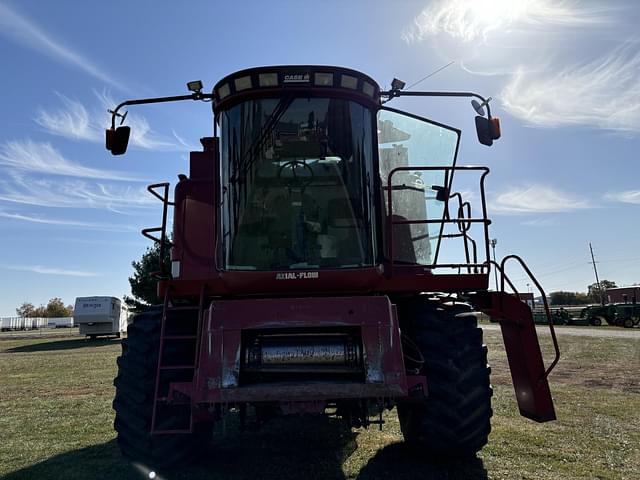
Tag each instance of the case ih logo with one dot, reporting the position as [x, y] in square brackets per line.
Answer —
[296, 78]
[296, 275]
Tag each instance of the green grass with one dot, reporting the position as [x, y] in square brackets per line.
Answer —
[56, 422]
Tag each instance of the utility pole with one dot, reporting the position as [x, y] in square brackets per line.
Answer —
[493, 242]
[593, 262]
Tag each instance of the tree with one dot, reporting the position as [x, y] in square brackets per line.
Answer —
[56, 308]
[143, 283]
[568, 298]
[25, 310]
[594, 293]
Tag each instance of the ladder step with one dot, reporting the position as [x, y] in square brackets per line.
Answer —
[176, 367]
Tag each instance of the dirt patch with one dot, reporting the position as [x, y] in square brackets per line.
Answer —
[594, 362]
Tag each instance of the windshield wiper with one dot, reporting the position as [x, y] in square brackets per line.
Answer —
[251, 153]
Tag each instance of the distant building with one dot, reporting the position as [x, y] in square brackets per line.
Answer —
[527, 298]
[623, 294]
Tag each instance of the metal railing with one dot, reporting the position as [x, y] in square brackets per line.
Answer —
[505, 278]
[463, 220]
[148, 232]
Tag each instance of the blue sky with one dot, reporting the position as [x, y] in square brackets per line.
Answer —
[564, 76]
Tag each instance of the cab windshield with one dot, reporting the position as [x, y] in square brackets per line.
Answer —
[297, 174]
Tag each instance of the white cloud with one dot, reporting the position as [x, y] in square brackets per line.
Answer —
[73, 120]
[68, 223]
[540, 222]
[629, 196]
[604, 93]
[50, 270]
[39, 157]
[536, 199]
[22, 30]
[560, 62]
[468, 20]
[65, 193]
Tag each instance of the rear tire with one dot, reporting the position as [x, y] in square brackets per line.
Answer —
[455, 419]
[596, 321]
[627, 322]
[133, 403]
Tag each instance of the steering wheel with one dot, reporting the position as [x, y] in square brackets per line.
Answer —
[297, 167]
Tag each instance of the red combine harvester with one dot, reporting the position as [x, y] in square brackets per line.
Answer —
[322, 262]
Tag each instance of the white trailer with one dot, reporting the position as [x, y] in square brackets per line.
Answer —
[60, 322]
[22, 323]
[100, 316]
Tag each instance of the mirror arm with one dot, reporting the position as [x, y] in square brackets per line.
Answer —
[143, 101]
[400, 93]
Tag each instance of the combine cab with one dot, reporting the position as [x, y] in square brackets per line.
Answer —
[322, 261]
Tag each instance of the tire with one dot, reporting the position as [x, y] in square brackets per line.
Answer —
[455, 419]
[133, 403]
[627, 322]
[596, 321]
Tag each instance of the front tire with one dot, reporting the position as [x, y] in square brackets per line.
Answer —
[455, 419]
[596, 321]
[133, 403]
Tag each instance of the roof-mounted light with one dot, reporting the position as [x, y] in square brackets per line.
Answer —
[195, 86]
[224, 91]
[347, 81]
[397, 84]
[268, 79]
[368, 89]
[242, 83]
[323, 79]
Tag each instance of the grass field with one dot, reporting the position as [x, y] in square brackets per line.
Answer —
[56, 422]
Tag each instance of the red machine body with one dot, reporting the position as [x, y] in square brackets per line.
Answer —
[318, 328]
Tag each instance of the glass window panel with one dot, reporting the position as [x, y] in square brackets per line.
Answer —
[406, 141]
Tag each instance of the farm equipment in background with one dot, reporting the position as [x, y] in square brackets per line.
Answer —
[311, 272]
[616, 314]
[558, 316]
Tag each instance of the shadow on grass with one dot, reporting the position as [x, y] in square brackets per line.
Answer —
[284, 449]
[71, 344]
[397, 461]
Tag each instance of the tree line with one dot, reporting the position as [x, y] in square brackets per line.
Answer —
[594, 294]
[55, 308]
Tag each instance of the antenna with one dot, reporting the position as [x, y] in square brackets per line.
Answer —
[431, 74]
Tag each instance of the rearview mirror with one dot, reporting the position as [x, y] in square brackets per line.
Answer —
[488, 130]
[117, 140]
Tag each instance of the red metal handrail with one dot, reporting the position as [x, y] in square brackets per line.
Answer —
[504, 278]
[147, 232]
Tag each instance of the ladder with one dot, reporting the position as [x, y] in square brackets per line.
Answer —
[177, 363]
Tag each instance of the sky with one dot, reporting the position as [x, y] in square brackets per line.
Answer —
[564, 77]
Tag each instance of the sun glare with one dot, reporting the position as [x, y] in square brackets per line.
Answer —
[500, 12]
[470, 19]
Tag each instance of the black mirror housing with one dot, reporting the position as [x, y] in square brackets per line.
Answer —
[117, 140]
[484, 131]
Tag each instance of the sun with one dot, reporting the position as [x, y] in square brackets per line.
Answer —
[470, 19]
